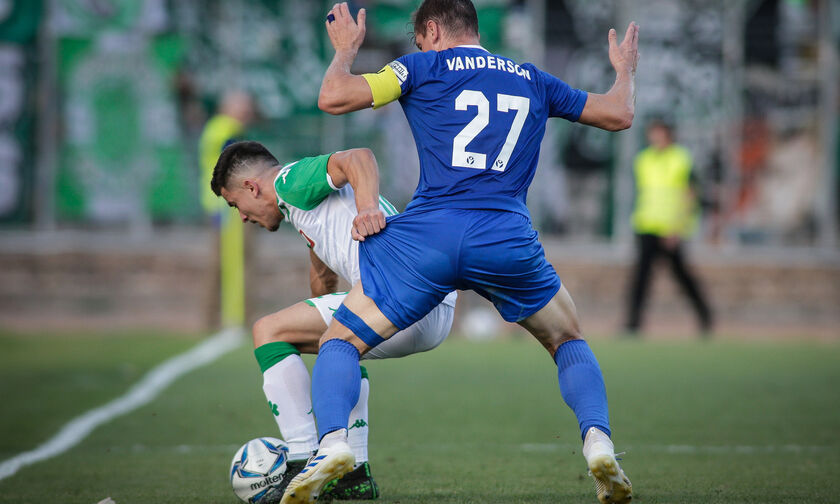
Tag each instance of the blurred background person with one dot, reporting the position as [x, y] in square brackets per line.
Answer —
[226, 303]
[665, 214]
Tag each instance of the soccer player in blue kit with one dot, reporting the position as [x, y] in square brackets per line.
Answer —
[478, 120]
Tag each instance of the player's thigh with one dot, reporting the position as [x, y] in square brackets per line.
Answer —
[503, 260]
[300, 324]
[421, 336]
[365, 309]
[555, 323]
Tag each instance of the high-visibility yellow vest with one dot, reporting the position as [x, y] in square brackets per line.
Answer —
[219, 130]
[664, 203]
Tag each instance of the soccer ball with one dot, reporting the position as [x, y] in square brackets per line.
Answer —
[258, 467]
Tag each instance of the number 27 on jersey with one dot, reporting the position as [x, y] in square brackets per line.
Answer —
[461, 157]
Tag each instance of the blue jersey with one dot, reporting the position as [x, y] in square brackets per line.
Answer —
[478, 120]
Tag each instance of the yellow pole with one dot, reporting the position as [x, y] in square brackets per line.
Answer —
[232, 264]
[218, 131]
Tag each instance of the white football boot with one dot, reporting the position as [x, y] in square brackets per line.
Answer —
[329, 463]
[611, 485]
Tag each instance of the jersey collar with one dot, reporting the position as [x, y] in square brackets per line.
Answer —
[280, 202]
[473, 46]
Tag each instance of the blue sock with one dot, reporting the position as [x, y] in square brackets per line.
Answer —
[582, 385]
[336, 379]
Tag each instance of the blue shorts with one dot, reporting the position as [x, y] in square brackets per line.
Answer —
[411, 265]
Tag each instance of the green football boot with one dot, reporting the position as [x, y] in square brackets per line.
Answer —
[358, 484]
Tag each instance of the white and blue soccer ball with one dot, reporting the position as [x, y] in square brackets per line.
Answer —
[258, 467]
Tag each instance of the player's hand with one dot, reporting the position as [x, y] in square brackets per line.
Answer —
[625, 57]
[345, 33]
[368, 222]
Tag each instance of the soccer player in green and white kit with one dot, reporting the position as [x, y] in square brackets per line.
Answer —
[332, 201]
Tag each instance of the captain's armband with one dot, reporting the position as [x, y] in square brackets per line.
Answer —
[384, 85]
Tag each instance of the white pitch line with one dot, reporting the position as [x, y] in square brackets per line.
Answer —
[140, 394]
[690, 449]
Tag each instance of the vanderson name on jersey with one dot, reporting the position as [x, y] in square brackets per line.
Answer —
[489, 62]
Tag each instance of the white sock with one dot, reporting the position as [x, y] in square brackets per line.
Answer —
[597, 442]
[334, 437]
[287, 388]
[357, 428]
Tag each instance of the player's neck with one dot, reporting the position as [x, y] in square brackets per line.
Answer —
[268, 178]
[449, 43]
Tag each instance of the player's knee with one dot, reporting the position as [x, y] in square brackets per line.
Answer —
[569, 329]
[556, 332]
[347, 326]
[259, 331]
[349, 337]
[342, 335]
[561, 335]
[267, 330]
[569, 333]
[326, 337]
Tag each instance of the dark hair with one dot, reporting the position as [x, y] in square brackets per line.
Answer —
[456, 17]
[235, 158]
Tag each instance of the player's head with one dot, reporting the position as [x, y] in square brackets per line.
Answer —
[660, 133]
[439, 23]
[243, 176]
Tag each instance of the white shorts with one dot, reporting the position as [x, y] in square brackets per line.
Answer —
[423, 335]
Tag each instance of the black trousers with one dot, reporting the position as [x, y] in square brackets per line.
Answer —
[650, 248]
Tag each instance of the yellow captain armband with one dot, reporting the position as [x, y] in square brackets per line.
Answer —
[384, 86]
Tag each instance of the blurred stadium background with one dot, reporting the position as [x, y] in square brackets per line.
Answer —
[102, 102]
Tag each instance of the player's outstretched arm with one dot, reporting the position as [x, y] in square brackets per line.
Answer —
[358, 168]
[614, 110]
[322, 280]
[341, 91]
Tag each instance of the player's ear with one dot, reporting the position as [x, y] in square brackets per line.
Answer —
[252, 187]
[432, 31]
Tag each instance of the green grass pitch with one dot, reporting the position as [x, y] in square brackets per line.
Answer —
[717, 422]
